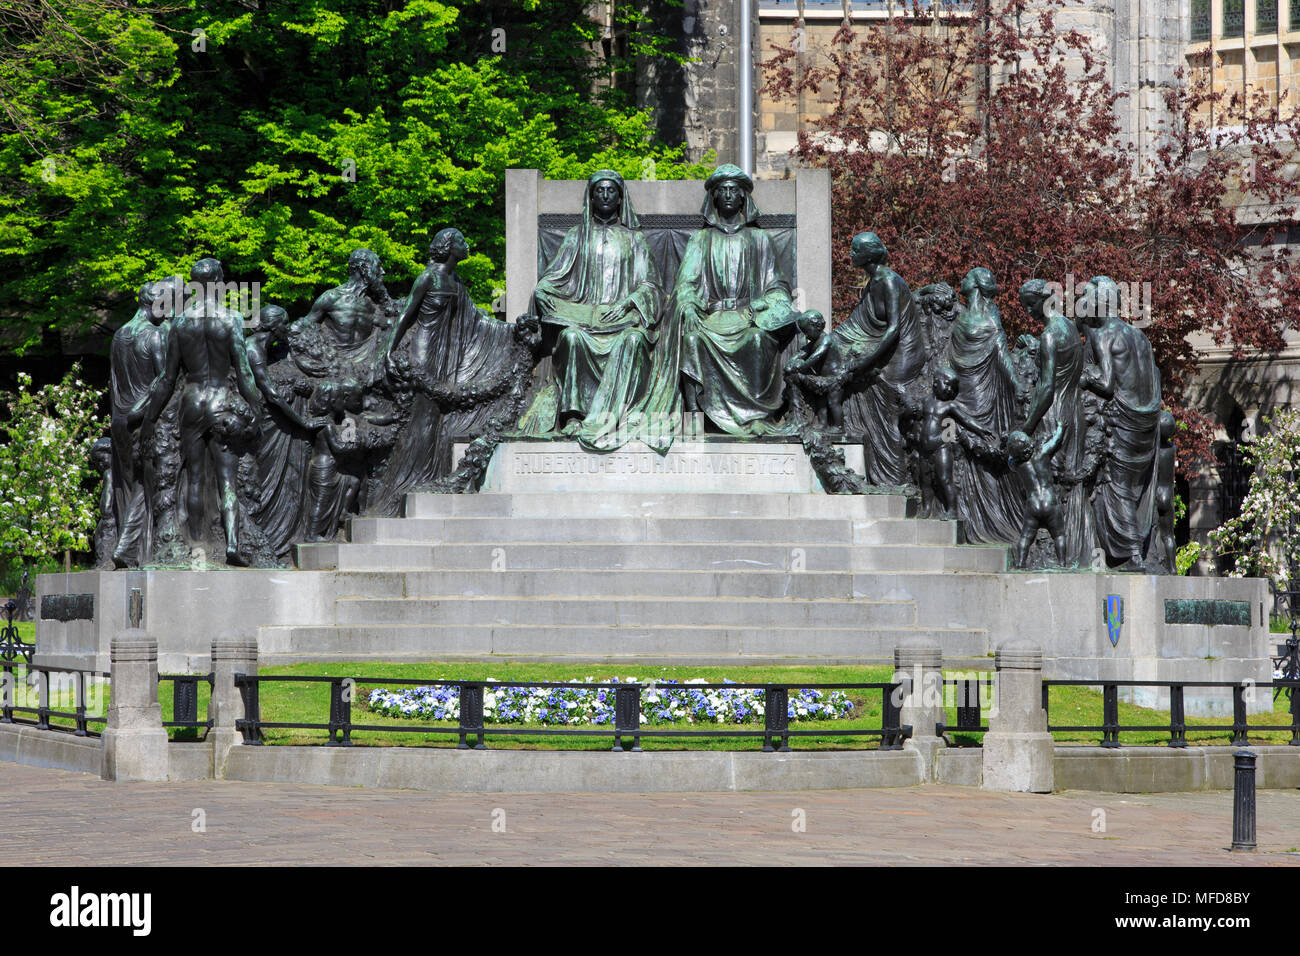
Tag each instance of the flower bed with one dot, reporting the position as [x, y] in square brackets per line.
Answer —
[584, 706]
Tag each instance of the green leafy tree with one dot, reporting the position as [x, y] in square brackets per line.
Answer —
[1264, 540]
[47, 499]
[279, 136]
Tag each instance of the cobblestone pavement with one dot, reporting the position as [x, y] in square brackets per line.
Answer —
[77, 819]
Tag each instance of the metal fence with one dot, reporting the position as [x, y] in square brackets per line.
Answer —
[50, 684]
[1110, 728]
[626, 729]
[39, 679]
[967, 696]
[185, 702]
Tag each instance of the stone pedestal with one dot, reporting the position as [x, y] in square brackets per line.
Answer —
[920, 661]
[1018, 750]
[229, 657]
[135, 742]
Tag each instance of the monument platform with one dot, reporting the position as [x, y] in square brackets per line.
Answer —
[635, 578]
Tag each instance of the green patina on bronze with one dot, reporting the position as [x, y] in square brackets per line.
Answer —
[734, 312]
[602, 298]
[1233, 613]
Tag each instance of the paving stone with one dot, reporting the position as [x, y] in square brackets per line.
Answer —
[84, 821]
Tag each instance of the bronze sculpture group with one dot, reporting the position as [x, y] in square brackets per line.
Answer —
[251, 443]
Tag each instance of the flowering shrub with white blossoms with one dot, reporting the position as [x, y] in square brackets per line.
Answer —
[1264, 540]
[585, 706]
[47, 503]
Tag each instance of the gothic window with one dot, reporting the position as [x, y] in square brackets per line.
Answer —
[1201, 18]
[1266, 16]
[1234, 18]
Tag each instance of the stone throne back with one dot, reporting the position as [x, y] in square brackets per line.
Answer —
[796, 211]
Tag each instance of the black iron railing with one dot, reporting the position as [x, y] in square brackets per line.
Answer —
[1110, 728]
[185, 701]
[38, 679]
[626, 730]
[12, 646]
[972, 698]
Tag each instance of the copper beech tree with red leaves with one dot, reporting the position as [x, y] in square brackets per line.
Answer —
[972, 145]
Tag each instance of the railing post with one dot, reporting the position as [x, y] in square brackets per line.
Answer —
[1295, 717]
[1177, 717]
[1243, 801]
[341, 712]
[968, 705]
[9, 690]
[135, 743]
[891, 705]
[776, 719]
[1239, 725]
[249, 727]
[79, 702]
[920, 663]
[1110, 715]
[42, 700]
[1018, 750]
[185, 699]
[627, 716]
[231, 703]
[471, 715]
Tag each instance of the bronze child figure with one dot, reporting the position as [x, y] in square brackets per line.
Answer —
[935, 445]
[1042, 506]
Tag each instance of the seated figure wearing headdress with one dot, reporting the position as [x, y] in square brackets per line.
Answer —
[735, 313]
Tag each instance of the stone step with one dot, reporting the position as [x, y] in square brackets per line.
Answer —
[555, 583]
[697, 530]
[629, 612]
[345, 556]
[630, 505]
[286, 644]
[331, 555]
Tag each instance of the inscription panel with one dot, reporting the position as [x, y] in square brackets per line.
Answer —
[1211, 613]
[649, 463]
[724, 467]
[67, 607]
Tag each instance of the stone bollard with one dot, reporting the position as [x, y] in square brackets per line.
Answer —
[1018, 750]
[135, 742]
[921, 661]
[229, 657]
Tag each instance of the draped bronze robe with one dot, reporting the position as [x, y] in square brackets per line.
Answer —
[874, 411]
[731, 301]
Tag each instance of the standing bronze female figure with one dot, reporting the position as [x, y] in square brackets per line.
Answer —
[452, 346]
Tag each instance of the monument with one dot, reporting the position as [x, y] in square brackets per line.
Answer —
[666, 455]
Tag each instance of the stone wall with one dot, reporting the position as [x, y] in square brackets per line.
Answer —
[695, 103]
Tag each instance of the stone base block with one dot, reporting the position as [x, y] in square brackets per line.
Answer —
[1018, 762]
[135, 754]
